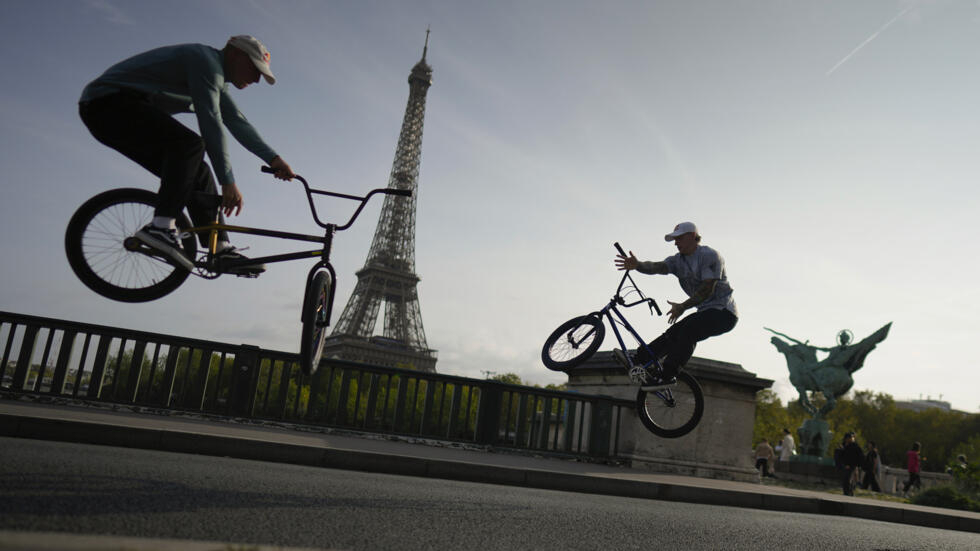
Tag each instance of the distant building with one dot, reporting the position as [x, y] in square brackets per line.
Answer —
[922, 405]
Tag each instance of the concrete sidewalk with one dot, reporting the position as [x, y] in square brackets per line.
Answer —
[319, 447]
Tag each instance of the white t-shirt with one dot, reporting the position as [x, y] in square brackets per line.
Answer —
[788, 446]
[703, 264]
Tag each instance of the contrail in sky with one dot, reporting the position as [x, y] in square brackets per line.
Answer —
[869, 39]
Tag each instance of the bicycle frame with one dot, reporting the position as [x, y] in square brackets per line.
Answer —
[611, 309]
[208, 262]
[326, 239]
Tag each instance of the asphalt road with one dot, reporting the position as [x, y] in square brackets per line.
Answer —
[85, 489]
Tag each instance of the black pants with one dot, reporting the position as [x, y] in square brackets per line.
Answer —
[847, 481]
[128, 123]
[679, 341]
[871, 481]
[912, 481]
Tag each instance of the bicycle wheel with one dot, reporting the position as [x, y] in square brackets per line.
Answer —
[316, 308]
[573, 342]
[673, 411]
[95, 244]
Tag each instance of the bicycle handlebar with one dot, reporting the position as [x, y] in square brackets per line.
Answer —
[652, 303]
[362, 200]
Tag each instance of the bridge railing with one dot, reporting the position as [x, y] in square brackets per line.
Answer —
[51, 357]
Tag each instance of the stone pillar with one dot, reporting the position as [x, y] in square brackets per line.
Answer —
[720, 446]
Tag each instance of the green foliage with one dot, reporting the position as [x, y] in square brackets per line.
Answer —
[771, 417]
[875, 417]
[967, 478]
[970, 448]
[515, 379]
[948, 497]
[508, 378]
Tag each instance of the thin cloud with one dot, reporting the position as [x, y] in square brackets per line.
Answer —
[110, 13]
[868, 40]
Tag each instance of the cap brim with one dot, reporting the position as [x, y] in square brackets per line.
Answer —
[269, 77]
[264, 69]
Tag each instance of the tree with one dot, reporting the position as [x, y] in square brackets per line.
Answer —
[771, 417]
[875, 416]
[508, 378]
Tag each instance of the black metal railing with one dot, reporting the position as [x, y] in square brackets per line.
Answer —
[44, 356]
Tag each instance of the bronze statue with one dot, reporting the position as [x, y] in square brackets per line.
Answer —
[830, 376]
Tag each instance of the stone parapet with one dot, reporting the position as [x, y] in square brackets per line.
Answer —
[891, 480]
[720, 446]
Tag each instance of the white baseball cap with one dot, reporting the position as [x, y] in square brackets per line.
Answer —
[256, 51]
[681, 229]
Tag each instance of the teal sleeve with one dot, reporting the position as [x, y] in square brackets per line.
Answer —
[242, 130]
[206, 83]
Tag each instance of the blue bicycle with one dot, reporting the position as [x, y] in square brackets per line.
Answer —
[668, 411]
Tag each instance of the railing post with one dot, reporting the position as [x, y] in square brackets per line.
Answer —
[98, 368]
[135, 371]
[488, 414]
[61, 368]
[23, 369]
[241, 395]
[599, 428]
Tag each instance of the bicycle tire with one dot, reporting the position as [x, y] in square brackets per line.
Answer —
[316, 305]
[674, 411]
[94, 246]
[573, 342]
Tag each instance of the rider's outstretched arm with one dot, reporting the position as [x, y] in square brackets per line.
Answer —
[650, 268]
[630, 262]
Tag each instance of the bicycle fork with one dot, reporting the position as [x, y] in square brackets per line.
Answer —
[321, 316]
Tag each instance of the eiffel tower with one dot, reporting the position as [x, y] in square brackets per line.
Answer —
[388, 275]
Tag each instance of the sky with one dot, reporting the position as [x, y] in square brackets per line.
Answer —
[828, 150]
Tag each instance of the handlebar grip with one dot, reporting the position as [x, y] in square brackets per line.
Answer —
[402, 192]
[655, 307]
[267, 170]
[620, 249]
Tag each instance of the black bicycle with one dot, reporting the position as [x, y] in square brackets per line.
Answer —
[109, 260]
[671, 411]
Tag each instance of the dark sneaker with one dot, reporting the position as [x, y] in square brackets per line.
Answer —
[232, 254]
[621, 358]
[164, 241]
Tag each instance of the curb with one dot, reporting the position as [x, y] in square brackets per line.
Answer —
[45, 541]
[245, 448]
